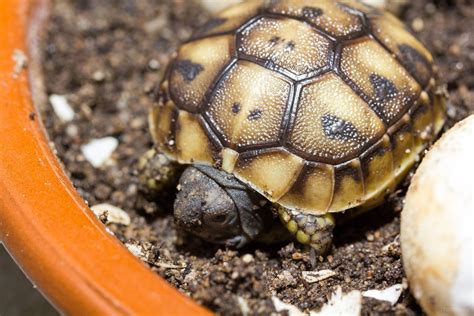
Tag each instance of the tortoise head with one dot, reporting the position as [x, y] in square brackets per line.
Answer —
[215, 206]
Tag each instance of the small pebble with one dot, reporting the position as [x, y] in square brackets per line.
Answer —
[61, 107]
[72, 131]
[247, 258]
[98, 76]
[296, 256]
[330, 259]
[97, 151]
[417, 25]
[154, 64]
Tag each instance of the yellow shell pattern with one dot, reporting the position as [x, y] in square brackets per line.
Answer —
[319, 105]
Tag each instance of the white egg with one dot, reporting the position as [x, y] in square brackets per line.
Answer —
[437, 227]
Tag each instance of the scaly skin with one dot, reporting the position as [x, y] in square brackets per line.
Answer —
[308, 229]
[157, 172]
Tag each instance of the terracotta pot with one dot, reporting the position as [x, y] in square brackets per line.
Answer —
[44, 224]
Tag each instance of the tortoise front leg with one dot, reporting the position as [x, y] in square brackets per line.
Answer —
[156, 172]
[313, 230]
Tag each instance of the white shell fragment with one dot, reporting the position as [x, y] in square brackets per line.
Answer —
[61, 107]
[315, 276]
[390, 294]
[97, 151]
[114, 214]
[437, 225]
[281, 306]
[349, 304]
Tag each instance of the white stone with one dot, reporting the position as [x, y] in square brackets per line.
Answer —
[390, 294]
[61, 107]
[115, 214]
[97, 151]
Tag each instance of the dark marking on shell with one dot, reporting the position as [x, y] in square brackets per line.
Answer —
[274, 40]
[416, 63]
[337, 128]
[405, 129]
[312, 12]
[347, 170]
[307, 171]
[379, 149]
[236, 107]
[384, 89]
[208, 26]
[299, 185]
[290, 46]
[188, 69]
[419, 109]
[255, 114]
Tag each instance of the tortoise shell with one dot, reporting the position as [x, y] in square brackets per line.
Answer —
[319, 105]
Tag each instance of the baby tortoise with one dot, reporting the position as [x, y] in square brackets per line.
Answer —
[317, 106]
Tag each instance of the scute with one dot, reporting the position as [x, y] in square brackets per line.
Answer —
[409, 51]
[248, 105]
[328, 15]
[288, 43]
[377, 166]
[402, 140]
[230, 19]
[390, 88]
[270, 172]
[332, 122]
[313, 190]
[192, 142]
[349, 188]
[319, 105]
[197, 65]
[162, 123]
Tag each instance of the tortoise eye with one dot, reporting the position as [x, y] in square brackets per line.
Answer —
[219, 218]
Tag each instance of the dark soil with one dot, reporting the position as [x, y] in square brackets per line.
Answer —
[107, 58]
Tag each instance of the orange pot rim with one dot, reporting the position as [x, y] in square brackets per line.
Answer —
[44, 223]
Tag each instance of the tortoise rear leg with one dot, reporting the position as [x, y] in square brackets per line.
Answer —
[156, 172]
[312, 230]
